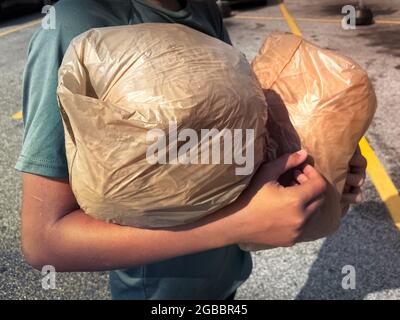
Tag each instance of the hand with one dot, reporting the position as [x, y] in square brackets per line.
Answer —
[275, 215]
[352, 193]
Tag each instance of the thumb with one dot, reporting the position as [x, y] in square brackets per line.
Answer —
[284, 163]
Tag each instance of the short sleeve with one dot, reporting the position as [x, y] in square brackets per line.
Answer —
[43, 150]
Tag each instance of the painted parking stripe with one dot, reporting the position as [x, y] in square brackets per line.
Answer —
[21, 27]
[383, 184]
[289, 20]
[375, 169]
[18, 115]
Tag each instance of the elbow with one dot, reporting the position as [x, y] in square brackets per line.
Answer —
[31, 253]
[34, 261]
[42, 249]
[34, 250]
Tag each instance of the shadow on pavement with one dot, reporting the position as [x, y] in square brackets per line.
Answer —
[385, 38]
[370, 244]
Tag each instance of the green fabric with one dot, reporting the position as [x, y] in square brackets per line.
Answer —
[215, 274]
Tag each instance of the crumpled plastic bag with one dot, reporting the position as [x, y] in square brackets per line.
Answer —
[320, 101]
[118, 85]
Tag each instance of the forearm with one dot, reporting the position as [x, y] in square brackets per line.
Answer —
[77, 242]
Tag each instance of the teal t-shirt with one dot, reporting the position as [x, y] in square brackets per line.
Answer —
[213, 274]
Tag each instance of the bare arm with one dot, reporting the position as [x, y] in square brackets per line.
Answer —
[56, 232]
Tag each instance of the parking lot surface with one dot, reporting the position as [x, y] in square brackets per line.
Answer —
[367, 239]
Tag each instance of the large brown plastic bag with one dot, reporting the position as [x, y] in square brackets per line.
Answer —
[118, 83]
[320, 101]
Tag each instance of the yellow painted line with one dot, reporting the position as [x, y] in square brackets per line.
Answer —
[17, 116]
[290, 21]
[378, 21]
[246, 17]
[20, 27]
[375, 170]
[317, 20]
[383, 184]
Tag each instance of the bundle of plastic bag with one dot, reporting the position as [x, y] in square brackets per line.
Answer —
[163, 124]
[320, 101]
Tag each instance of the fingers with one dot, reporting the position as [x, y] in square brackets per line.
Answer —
[355, 180]
[355, 197]
[358, 163]
[311, 172]
[300, 177]
[312, 184]
[276, 168]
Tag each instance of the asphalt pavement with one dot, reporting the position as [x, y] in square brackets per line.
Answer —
[367, 239]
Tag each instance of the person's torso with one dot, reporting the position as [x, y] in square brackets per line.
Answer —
[213, 274]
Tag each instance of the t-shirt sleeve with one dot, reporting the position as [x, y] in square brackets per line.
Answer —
[43, 150]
